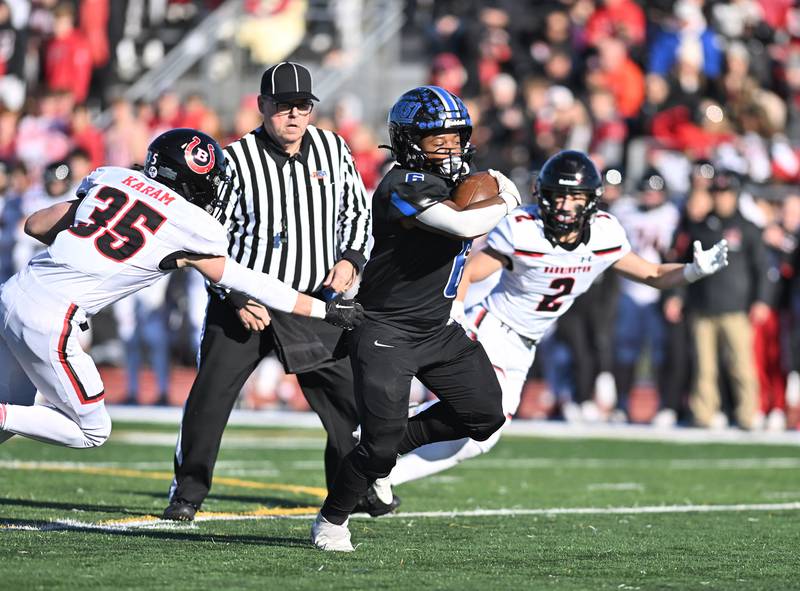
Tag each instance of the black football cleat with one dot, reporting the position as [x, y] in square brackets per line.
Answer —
[372, 504]
[180, 510]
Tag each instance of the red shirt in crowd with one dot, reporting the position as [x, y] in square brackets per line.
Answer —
[621, 18]
[68, 65]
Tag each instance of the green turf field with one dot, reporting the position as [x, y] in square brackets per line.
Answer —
[533, 514]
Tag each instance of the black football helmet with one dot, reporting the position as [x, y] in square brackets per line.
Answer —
[191, 163]
[568, 172]
[429, 110]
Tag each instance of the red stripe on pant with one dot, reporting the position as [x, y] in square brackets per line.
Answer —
[62, 358]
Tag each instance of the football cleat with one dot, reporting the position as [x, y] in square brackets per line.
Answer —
[180, 510]
[329, 536]
[379, 500]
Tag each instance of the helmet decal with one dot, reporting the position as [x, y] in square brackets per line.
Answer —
[427, 110]
[199, 161]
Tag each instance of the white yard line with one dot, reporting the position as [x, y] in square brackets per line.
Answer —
[517, 427]
[152, 523]
[267, 467]
[230, 440]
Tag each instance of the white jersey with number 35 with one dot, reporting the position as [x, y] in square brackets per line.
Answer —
[544, 280]
[125, 227]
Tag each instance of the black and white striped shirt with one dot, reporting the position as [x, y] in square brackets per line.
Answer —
[295, 217]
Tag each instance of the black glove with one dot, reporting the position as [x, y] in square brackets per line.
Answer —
[346, 314]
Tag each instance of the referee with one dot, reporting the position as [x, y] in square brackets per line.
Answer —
[299, 212]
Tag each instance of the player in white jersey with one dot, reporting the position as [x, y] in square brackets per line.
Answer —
[548, 255]
[125, 231]
[649, 220]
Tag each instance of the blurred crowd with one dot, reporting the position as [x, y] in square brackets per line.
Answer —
[680, 104]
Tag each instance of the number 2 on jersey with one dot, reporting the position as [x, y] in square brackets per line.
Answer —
[125, 238]
[550, 303]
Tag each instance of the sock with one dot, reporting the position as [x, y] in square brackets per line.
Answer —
[436, 423]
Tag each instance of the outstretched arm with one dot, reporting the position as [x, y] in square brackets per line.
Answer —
[45, 224]
[271, 292]
[668, 275]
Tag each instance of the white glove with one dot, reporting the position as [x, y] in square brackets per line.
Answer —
[457, 312]
[706, 262]
[457, 315]
[508, 190]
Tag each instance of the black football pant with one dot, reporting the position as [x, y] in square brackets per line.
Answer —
[228, 355]
[384, 360]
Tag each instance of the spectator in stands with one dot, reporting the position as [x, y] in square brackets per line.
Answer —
[555, 38]
[127, 137]
[169, 113]
[721, 306]
[506, 127]
[563, 122]
[87, 137]
[9, 121]
[622, 19]
[142, 322]
[649, 220]
[10, 218]
[617, 72]
[13, 45]
[609, 131]
[687, 31]
[447, 72]
[680, 356]
[41, 136]
[770, 338]
[68, 57]
[368, 157]
[94, 26]
[195, 112]
[80, 165]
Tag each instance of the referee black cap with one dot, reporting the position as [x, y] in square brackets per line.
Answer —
[287, 81]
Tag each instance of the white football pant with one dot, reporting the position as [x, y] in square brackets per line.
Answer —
[39, 351]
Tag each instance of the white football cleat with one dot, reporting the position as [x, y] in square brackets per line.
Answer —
[329, 536]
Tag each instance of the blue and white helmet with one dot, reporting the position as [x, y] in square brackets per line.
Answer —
[429, 110]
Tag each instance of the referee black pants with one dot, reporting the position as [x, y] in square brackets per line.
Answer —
[385, 359]
[229, 353]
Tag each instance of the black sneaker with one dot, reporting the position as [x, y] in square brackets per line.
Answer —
[180, 510]
[370, 503]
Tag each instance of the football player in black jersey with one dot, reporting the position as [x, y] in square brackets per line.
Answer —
[421, 241]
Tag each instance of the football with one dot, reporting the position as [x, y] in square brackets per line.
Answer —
[475, 188]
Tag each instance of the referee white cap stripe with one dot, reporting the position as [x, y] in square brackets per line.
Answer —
[296, 79]
[274, 70]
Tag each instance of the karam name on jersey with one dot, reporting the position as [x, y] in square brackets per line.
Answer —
[160, 194]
